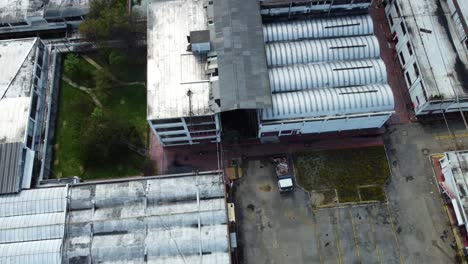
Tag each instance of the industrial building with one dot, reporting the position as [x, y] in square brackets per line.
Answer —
[19, 17]
[165, 219]
[325, 75]
[453, 182]
[24, 86]
[286, 75]
[430, 40]
[188, 49]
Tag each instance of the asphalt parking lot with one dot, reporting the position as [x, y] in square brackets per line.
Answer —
[274, 228]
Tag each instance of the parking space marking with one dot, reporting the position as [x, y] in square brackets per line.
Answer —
[337, 237]
[318, 241]
[364, 234]
[355, 236]
[460, 135]
[326, 226]
[394, 232]
[383, 234]
[346, 238]
[374, 236]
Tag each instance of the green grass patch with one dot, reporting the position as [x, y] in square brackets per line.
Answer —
[343, 169]
[372, 193]
[127, 103]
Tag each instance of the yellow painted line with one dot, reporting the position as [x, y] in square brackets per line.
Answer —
[318, 241]
[437, 156]
[337, 238]
[377, 251]
[461, 135]
[355, 237]
[456, 236]
[394, 234]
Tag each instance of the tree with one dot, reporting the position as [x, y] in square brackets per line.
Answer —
[116, 58]
[104, 139]
[110, 20]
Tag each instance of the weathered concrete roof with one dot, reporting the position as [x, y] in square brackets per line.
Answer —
[442, 61]
[177, 85]
[243, 75]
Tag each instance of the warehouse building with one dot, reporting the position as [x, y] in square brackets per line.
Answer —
[189, 48]
[325, 75]
[172, 219]
[430, 38]
[164, 219]
[24, 89]
[23, 17]
[208, 74]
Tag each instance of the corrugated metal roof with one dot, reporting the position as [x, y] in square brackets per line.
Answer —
[330, 102]
[31, 227]
[35, 201]
[327, 75]
[308, 51]
[318, 28]
[241, 55]
[149, 219]
[10, 165]
[33, 252]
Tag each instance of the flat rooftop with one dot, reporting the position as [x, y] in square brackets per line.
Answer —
[443, 62]
[177, 84]
[17, 65]
[18, 10]
[165, 219]
[17, 58]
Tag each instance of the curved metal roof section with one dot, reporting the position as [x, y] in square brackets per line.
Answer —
[331, 102]
[318, 28]
[35, 201]
[327, 75]
[32, 252]
[308, 51]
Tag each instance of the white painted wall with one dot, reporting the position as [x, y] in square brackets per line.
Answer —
[323, 125]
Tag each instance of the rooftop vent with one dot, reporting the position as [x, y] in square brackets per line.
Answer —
[200, 41]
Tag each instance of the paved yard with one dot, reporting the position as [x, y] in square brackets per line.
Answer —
[276, 228]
